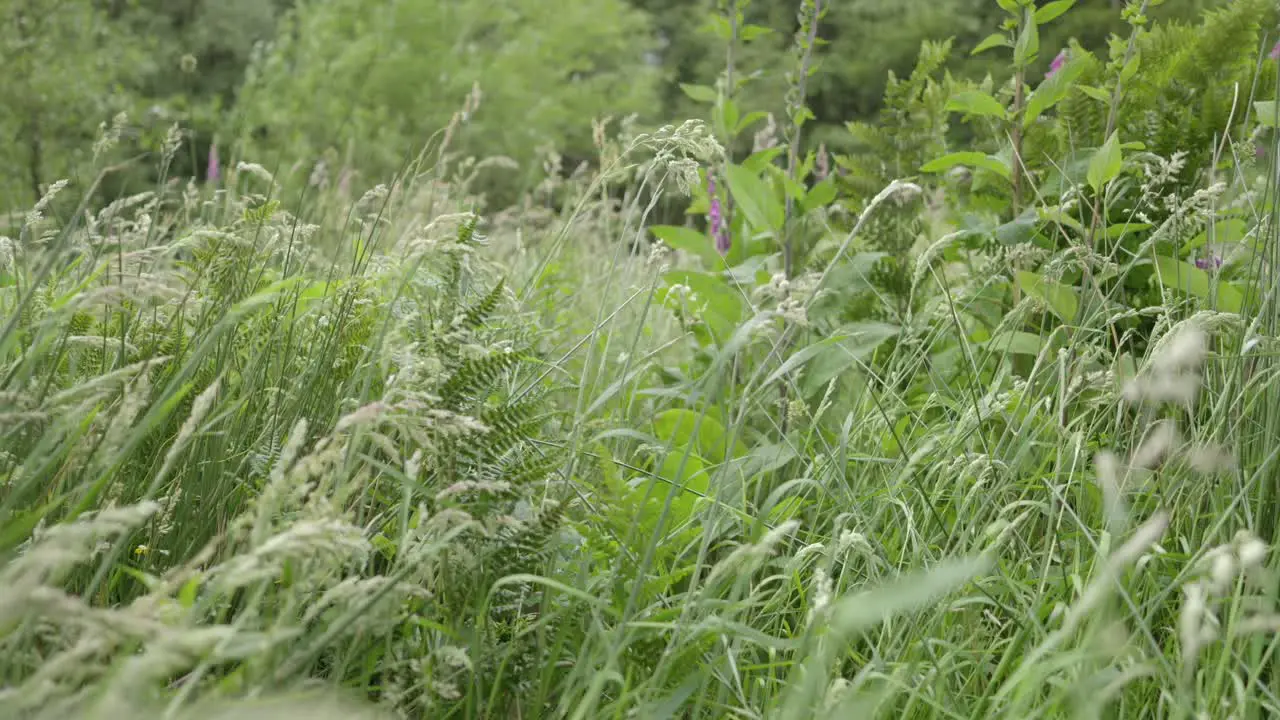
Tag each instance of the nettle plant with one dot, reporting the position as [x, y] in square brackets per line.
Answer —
[1101, 189]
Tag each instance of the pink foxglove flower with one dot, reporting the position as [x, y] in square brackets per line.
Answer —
[214, 171]
[1275, 52]
[1056, 65]
[1211, 261]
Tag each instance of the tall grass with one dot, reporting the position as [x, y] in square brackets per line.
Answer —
[340, 451]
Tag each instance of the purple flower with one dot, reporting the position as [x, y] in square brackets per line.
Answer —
[1213, 261]
[716, 215]
[1275, 52]
[214, 172]
[1057, 64]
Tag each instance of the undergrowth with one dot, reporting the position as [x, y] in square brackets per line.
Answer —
[917, 431]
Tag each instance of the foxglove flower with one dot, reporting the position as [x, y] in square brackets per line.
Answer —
[1056, 65]
[1210, 261]
[716, 215]
[214, 171]
[1275, 52]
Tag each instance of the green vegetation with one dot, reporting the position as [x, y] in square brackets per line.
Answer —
[408, 359]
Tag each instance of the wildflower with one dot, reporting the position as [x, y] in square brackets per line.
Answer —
[716, 216]
[1057, 64]
[1212, 260]
[214, 172]
[1275, 52]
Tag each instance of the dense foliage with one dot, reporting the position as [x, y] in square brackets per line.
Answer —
[927, 371]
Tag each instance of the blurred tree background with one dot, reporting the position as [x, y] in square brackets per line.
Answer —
[365, 84]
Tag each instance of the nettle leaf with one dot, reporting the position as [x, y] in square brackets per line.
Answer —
[754, 197]
[700, 93]
[1060, 298]
[1052, 10]
[976, 102]
[1106, 163]
[751, 32]
[976, 159]
[993, 40]
[1188, 278]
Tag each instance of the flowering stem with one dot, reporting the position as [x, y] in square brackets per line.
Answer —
[807, 38]
[1019, 100]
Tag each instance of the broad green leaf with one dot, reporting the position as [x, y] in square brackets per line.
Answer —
[976, 159]
[751, 32]
[1017, 231]
[1233, 230]
[701, 93]
[1120, 230]
[759, 162]
[1028, 45]
[1106, 163]
[748, 120]
[1130, 68]
[729, 114]
[1095, 92]
[1060, 298]
[1014, 342]
[856, 342]
[687, 472]
[1051, 92]
[1055, 214]
[1009, 6]
[767, 458]
[187, 594]
[753, 196]
[687, 240]
[720, 298]
[785, 509]
[992, 41]
[677, 425]
[1267, 112]
[1190, 279]
[1052, 10]
[976, 102]
[800, 357]
[819, 195]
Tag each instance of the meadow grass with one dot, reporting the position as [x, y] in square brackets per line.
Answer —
[351, 450]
